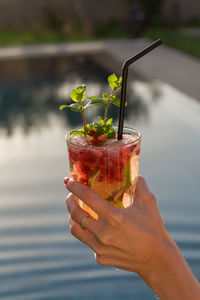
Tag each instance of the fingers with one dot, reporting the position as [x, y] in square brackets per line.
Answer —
[143, 195]
[141, 187]
[104, 255]
[90, 197]
[83, 235]
[77, 214]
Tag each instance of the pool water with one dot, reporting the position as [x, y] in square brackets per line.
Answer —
[39, 259]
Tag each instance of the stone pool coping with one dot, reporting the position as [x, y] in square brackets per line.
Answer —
[166, 64]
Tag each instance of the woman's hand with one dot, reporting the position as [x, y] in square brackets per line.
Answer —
[133, 238]
[126, 238]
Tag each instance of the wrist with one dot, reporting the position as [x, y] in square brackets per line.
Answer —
[161, 261]
[169, 275]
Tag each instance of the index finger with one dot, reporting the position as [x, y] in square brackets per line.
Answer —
[90, 197]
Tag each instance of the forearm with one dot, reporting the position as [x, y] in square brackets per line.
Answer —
[171, 277]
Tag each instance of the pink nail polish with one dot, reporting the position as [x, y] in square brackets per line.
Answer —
[66, 180]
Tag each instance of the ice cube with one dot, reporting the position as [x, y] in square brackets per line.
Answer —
[127, 139]
[110, 142]
[78, 139]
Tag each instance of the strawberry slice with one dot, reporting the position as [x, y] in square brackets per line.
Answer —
[98, 141]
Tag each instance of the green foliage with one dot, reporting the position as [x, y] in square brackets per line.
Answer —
[115, 101]
[110, 29]
[94, 98]
[153, 11]
[120, 81]
[114, 82]
[95, 102]
[74, 107]
[105, 95]
[78, 94]
[100, 128]
[80, 132]
[54, 33]
[62, 107]
[103, 127]
[109, 122]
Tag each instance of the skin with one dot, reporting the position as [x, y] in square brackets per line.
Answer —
[133, 239]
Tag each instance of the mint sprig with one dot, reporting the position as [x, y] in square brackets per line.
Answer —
[94, 101]
[115, 84]
[74, 107]
[78, 96]
[100, 128]
[103, 127]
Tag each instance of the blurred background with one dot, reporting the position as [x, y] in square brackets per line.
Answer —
[175, 21]
[47, 48]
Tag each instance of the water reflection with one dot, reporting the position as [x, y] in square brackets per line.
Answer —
[29, 98]
[33, 162]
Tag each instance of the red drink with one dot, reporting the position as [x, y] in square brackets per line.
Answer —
[110, 168]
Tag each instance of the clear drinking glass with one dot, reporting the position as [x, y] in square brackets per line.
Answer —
[110, 170]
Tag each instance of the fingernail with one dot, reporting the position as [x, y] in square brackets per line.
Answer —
[66, 179]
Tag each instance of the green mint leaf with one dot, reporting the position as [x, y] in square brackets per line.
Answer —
[98, 131]
[116, 101]
[78, 94]
[113, 81]
[101, 122]
[103, 127]
[94, 102]
[120, 81]
[94, 98]
[105, 96]
[109, 122]
[77, 132]
[62, 107]
[111, 134]
[87, 128]
[112, 97]
[75, 107]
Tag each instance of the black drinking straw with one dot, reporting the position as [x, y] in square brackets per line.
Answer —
[126, 64]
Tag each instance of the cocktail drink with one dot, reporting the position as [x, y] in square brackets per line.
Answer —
[110, 167]
[100, 158]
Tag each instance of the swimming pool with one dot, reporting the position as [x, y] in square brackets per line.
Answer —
[39, 259]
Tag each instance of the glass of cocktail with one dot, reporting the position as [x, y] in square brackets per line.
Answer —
[99, 156]
[110, 167]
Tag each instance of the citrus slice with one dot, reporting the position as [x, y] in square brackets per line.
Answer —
[104, 188]
[112, 192]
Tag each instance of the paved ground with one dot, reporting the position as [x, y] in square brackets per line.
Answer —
[194, 31]
[179, 70]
